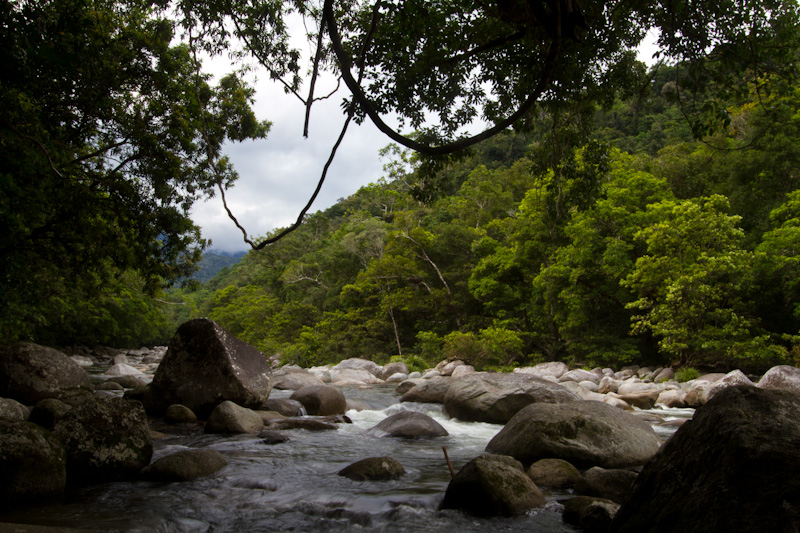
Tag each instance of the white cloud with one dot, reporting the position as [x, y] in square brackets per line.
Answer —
[278, 175]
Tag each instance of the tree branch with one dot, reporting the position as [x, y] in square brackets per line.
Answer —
[360, 97]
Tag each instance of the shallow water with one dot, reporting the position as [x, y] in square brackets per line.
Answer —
[294, 486]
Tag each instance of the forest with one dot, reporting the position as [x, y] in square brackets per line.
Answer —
[655, 222]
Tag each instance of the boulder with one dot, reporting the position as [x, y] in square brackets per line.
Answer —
[321, 400]
[733, 467]
[579, 375]
[446, 367]
[123, 369]
[108, 386]
[462, 370]
[228, 417]
[428, 391]
[127, 382]
[672, 398]
[373, 469]
[643, 399]
[492, 485]
[390, 369]
[359, 364]
[552, 369]
[781, 377]
[697, 389]
[285, 406]
[13, 410]
[293, 378]
[585, 433]
[47, 412]
[185, 465]
[591, 514]
[613, 484]
[106, 439]
[398, 377]
[409, 384]
[353, 376]
[82, 360]
[205, 366]
[608, 384]
[408, 425]
[32, 463]
[29, 373]
[631, 386]
[495, 398]
[179, 414]
[665, 374]
[555, 473]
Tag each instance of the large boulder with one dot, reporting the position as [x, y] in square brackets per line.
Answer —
[285, 406]
[32, 463]
[428, 390]
[106, 439]
[408, 425]
[321, 400]
[13, 409]
[495, 398]
[492, 485]
[781, 377]
[585, 433]
[374, 469]
[185, 465]
[551, 369]
[359, 364]
[613, 484]
[555, 473]
[204, 366]
[733, 467]
[293, 378]
[29, 373]
[389, 369]
[228, 417]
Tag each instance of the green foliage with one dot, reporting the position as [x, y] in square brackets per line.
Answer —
[686, 373]
[414, 363]
[109, 134]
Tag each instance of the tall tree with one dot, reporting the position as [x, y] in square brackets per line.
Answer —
[109, 134]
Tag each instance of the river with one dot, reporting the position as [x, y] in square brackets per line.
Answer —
[294, 486]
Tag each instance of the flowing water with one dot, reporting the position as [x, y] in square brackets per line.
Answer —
[294, 486]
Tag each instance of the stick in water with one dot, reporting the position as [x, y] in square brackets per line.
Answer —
[449, 464]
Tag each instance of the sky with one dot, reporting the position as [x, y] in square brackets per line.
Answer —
[277, 175]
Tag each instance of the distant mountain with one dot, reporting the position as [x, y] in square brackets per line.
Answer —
[213, 261]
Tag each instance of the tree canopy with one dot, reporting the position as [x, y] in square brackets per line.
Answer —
[112, 130]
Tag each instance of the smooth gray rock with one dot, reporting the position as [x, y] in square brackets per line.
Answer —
[285, 406]
[585, 433]
[204, 366]
[408, 425]
[29, 373]
[374, 469]
[13, 410]
[492, 485]
[590, 513]
[106, 439]
[228, 417]
[495, 398]
[32, 463]
[356, 363]
[179, 414]
[321, 400]
[291, 378]
[428, 390]
[555, 473]
[393, 368]
[613, 484]
[783, 377]
[733, 467]
[186, 465]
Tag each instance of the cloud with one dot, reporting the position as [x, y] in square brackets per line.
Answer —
[278, 175]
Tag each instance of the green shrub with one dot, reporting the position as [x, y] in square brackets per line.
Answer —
[686, 373]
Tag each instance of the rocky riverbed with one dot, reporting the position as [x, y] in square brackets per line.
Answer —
[545, 448]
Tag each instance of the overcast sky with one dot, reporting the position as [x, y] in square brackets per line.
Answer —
[279, 174]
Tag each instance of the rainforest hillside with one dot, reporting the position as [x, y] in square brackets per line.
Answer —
[602, 236]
